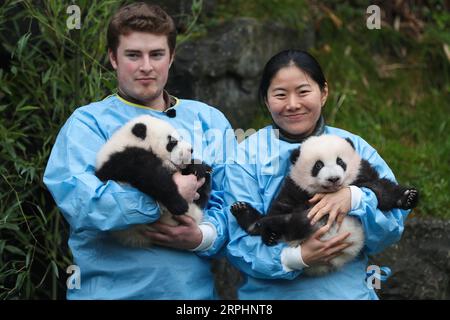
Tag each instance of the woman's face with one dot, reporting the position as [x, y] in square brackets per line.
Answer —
[295, 100]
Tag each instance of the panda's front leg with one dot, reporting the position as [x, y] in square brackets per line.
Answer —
[158, 182]
[275, 228]
[391, 195]
[246, 216]
[177, 208]
[173, 201]
[200, 170]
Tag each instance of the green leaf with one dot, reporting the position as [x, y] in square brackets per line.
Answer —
[46, 76]
[9, 226]
[2, 246]
[21, 44]
[27, 108]
[20, 279]
[15, 250]
[28, 258]
[55, 268]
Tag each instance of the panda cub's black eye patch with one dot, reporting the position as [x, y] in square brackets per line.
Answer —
[341, 163]
[172, 142]
[317, 166]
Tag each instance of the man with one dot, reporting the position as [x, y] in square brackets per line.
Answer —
[141, 46]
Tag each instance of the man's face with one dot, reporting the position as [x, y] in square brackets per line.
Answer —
[142, 63]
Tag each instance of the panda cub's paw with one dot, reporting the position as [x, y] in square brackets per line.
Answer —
[240, 208]
[200, 170]
[269, 236]
[246, 216]
[409, 199]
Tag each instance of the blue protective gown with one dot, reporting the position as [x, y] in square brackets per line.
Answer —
[255, 177]
[92, 207]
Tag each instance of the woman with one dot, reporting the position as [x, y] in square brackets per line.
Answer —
[294, 90]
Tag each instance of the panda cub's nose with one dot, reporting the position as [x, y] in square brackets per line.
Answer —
[333, 179]
[191, 150]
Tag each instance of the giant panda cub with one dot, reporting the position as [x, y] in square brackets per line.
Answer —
[145, 153]
[323, 163]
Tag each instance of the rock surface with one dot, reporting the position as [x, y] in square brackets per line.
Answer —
[420, 265]
[223, 68]
[420, 262]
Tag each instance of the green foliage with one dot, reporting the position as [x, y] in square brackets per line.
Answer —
[385, 86]
[291, 12]
[392, 89]
[396, 90]
[193, 28]
[52, 71]
[46, 81]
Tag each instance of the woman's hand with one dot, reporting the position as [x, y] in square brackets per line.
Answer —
[188, 185]
[185, 236]
[336, 204]
[316, 251]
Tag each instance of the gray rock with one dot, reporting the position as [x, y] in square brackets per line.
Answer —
[420, 264]
[223, 68]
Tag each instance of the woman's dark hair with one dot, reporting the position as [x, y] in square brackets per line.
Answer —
[301, 59]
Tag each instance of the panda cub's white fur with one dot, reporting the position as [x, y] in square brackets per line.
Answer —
[158, 134]
[155, 141]
[327, 148]
[321, 164]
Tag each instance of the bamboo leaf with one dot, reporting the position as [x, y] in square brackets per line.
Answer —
[55, 268]
[9, 226]
[2, 246]
[20, 279]
[15, 250]
[27, 108]
[21, 45]
[46, 76]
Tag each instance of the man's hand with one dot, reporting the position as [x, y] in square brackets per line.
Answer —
[188, 185]
[186, 236]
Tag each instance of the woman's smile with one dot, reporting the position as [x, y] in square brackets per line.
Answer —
[296, 116]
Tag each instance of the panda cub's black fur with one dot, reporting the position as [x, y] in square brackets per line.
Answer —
[322, 164]
[146, 153]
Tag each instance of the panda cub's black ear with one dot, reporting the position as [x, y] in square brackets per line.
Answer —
[140, 130]
[294, 155]
[351, 143]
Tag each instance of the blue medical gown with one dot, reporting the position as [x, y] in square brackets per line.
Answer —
[255, 176]
[92, 207]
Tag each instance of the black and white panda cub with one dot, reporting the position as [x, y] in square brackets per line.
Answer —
[323, 163]
[145, 153]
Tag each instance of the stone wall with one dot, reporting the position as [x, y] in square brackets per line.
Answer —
[223, 68]
[420, 264]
